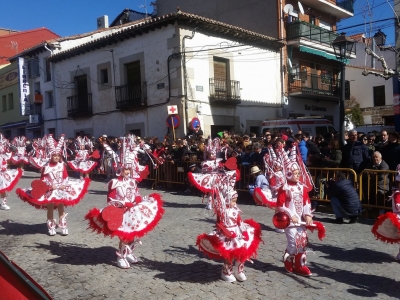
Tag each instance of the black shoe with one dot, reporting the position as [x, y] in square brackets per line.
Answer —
[338, 221]
[353, 219]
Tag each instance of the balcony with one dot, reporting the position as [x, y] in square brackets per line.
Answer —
[80, 106]
[224, 92]
[131, 96]
[304, 30]
[338, 8]
[306, 84]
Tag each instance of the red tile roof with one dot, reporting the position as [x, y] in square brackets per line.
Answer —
[14, 43]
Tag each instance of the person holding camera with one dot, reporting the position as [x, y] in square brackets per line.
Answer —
[344, 198]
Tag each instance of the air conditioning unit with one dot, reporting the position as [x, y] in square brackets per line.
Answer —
[102, 22]
[34, 119]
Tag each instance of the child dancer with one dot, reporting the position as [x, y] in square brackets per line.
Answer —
[128, 215]
[387, 226]
[20, 156]
[54, 190]
[82, 163]
[293, 199]
[233, 240]
[8, 178]
[38, 156]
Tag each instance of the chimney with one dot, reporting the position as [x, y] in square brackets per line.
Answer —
[102, 22]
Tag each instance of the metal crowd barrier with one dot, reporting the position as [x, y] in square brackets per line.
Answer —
[376, 188]
[321, 175]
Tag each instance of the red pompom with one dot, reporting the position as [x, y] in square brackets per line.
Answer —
[129, 204]
[96, 154]
[145, 173]
[39, 188]
[281, 220]
[113, 216]
[231, 163]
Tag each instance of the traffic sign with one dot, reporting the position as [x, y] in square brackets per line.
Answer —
[173, 119]
[194, 123]
[172, 109]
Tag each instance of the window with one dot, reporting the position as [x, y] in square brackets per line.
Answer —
[48, 72]
[11, 101]
[103, 76]
[49, 101]
[3, 103]
[293, 17]
[379, 95]
[51, 131]
[326, 76]
[322, 130]
[312, 20]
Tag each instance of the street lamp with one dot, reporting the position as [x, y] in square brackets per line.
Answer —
[344, 47]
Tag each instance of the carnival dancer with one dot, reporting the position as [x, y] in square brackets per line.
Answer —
[38, 156]
[19, 156]
[109, 158]
[128, 215]
[55, 190]
[387, 226]
[235, 241]
[8, 177]
[83, 152]
[130, 152]
[294, 213]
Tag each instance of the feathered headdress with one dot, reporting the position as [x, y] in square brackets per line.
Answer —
[19, 141]
[83, 141]
[3, 144]
[212, 148]
[54, 147]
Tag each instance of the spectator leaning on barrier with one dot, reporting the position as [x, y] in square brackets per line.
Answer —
[355, 154]
[343, 197]
[379, 182]
[391, 152]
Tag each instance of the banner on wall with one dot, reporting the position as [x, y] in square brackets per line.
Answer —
[24, 90]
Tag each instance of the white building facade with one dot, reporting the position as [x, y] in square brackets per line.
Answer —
[122, 79]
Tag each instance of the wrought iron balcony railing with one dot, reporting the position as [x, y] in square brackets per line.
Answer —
[80, 105]
[301, 29]
[307, 83]
[224, 91]
[131, 96]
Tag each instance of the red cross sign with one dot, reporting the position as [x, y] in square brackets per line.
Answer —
[172, 109]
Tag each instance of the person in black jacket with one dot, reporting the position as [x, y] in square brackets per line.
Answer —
[344, 198]
[355, 154]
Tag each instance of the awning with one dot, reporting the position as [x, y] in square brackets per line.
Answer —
[34, 127]
[15, 124]
[320, 53]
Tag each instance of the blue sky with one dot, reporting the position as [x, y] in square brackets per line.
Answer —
[78, 16]
[380, 9]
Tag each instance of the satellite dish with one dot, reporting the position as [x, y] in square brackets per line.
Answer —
[301, 8]
[288, 8]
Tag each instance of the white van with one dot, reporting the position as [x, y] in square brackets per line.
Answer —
[313, 126]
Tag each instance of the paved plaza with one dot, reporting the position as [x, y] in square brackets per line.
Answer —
[348, 264]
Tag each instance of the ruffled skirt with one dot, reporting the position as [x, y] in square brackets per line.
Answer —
[241, 248]
[8, 179]
[82, 166]
[19, 159]
[137, 221]
[387, 228]
[264, 197]
[74, 192]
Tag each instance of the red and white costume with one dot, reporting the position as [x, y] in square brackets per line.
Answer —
[233, 239]
[19, 155]
[130, 155]
[387, 226]
[38, 156]
[8, 177]
[293, 199]
[54, 186]
[56, 175]
[128, 214]
[82, 163]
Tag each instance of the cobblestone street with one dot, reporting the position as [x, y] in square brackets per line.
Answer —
[348, 264]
